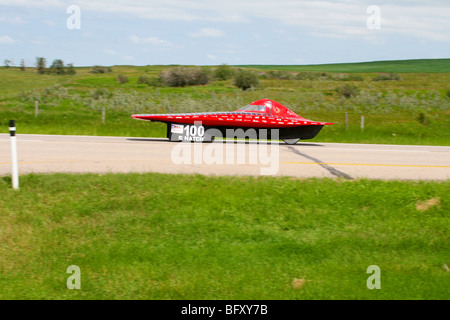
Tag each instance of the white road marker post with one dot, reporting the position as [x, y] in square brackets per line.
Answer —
[15, 168]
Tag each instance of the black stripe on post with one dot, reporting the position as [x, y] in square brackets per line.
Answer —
[12, 128]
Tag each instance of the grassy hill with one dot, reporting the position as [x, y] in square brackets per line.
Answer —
[411, 108]
[399, 66]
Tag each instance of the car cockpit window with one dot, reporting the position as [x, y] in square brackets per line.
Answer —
[253, 107]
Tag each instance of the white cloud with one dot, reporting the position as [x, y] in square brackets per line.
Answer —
[12, 20]
[426, 20]
[212, 57]
[6, 40]
[110, 52]
[207, 32]
[150, 40]
[50, 23]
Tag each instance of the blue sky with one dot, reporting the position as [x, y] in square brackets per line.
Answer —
[213, 32]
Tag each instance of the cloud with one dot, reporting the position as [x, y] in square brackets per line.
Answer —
[207, 32]
[110, 52]
[12, 20]
[427, 20]
[150, 40]
[50, 23]
[6, 40]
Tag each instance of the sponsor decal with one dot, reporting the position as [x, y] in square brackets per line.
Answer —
[176, 128]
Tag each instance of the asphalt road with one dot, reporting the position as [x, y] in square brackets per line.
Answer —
[81, 154]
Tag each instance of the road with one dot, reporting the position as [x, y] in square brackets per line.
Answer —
[82, 154]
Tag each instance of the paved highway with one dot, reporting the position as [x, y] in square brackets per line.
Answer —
[80, 154]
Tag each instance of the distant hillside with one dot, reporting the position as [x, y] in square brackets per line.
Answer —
[400, 66]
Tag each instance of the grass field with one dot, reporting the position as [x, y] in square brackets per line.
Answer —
[155, 236]
[412, 110]
[402, 66]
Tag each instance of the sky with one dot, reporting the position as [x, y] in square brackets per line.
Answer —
[214, 32]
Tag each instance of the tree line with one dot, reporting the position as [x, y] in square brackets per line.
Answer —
[57, 67]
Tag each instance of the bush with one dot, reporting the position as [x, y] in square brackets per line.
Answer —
[311, 75]
[150, 81]
[352, 77]
[347, 91]
[423, 118]
[245, 79]
[184, 76]
[70, 69]
[101, 93]
[448, 93]
[223, 72]
[390, 76]
[280, 75]
[100, 69]
[122, 78]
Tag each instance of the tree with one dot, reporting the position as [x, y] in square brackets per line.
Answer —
[22, 65]
[41, 65]
[57, 67]
[70, 69]
[245, 79]
[7, 63]
[223, 72]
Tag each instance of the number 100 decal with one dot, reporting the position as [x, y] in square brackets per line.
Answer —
[189, 133]
[194, 133]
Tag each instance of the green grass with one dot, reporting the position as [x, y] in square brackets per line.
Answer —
[401, 66]
[156, 236]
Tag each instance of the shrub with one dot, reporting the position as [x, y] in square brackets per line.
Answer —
[150, 81]
[245, 79]
[389, 76]
[122, 78]
[311, 75]
[184, 76]
[423, 118]
[347, 91]
[352, 77]
[101, 93]
[223, 72]
[100, 69]
[448, 93]
[280, 75]
[70, 69]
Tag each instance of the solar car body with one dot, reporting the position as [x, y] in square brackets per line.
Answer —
[259, 117]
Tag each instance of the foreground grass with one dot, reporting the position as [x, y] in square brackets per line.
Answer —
[156, 236]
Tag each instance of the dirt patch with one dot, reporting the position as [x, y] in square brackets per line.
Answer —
[298, 283]
[427, 204]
